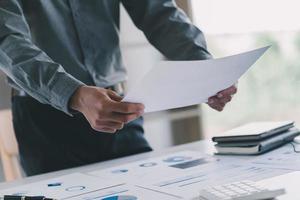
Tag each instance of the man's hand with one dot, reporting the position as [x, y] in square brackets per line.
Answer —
[219, 101]
[103, 108]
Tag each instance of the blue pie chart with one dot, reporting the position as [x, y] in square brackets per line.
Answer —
[121, 197]
[177, 159]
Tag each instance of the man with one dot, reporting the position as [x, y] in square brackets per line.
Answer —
[63, 59]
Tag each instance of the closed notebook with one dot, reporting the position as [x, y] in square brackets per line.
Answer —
[254, 131]
[254, 148]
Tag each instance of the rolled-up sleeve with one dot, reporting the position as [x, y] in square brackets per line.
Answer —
[168, 29]
[27, 65]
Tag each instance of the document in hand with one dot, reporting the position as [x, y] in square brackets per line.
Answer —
[174, 84]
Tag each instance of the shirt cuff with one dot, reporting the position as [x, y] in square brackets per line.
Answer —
[62, 91]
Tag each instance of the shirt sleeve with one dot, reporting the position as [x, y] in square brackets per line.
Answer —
[28, 66]
[168, 29]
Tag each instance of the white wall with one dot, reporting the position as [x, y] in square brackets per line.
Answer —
[236, 16]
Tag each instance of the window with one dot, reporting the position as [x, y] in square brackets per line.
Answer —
[271, 89]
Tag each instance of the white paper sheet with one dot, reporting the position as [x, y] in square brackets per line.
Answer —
[174, 84]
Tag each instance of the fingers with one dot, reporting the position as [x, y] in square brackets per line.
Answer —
[104, 110]
[112, 114]
[123, 107]
[99, 126]
[111, 122]
[104, 129]
[218, 107]
[114, 96]
[219, 101]
[126, 108]
[227, 92]
[216, 104]
[225, 99]
[108, 126]
[122, 118]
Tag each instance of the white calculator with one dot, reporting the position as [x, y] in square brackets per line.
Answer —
[244, 190]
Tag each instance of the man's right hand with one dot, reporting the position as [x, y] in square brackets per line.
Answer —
[103, 108]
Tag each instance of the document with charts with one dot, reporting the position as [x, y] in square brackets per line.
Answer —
[79, 186]
[182, 174]
[178, 175]
[63, 187]
[174, 84]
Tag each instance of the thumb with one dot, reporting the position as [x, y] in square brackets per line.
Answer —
[114, 96]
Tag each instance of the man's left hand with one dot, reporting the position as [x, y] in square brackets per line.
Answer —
[219, 101]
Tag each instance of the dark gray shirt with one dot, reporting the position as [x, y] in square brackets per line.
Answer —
[49, 48]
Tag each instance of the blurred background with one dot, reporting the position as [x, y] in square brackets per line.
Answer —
[269, 91]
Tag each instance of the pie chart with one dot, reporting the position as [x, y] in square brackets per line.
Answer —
[175, 159]
[121, 197]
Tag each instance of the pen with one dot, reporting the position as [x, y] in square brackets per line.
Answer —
[14, 197]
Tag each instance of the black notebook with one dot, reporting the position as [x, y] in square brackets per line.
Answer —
[254, 131]
[258, 147]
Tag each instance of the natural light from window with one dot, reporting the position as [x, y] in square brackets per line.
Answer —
[270, 91]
